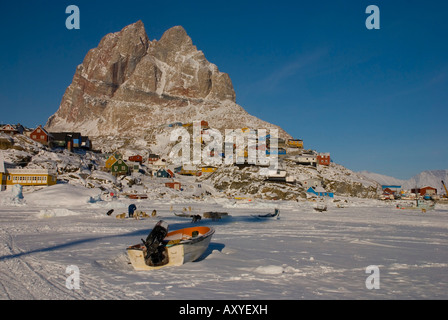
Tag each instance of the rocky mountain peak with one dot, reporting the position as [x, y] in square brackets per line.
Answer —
[176, 36]
[129, 84]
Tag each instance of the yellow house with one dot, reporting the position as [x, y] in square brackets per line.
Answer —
[27, 177]
[208, 169]
[295, 143]
[112, 159]
[188, 170]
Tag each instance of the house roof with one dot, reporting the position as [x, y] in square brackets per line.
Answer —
[66, 135]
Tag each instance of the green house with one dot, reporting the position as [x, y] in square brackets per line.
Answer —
[119, 167]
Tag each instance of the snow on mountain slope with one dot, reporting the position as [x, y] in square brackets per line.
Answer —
[426, 178]
[429, 178]
[383, 179]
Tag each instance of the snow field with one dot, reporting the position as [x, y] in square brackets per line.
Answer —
[303, 255]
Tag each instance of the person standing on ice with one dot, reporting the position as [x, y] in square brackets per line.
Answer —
[131, 210]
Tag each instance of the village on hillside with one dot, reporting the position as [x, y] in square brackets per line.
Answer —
[155, 165]
[161, 168]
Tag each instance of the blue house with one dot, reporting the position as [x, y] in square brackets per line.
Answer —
[162, 173]
[320, 192]
[279, 151]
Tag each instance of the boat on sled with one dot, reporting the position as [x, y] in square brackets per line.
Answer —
[163, 249]
[183, 215]
[268, 216]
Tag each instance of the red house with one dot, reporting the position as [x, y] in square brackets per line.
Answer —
[425, 191]
[136, 158]
[323, 159]
[173, 185]
[40, 135]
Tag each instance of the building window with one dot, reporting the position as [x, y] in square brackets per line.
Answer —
[42, 137]
[34, 136]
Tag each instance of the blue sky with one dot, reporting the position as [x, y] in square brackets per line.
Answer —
[375, 99]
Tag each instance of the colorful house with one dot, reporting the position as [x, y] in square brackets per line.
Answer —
[320, 192]
[323, 159]
[295, 143]
[173, 185]
[162, 173]
[278, 151]
[111, 160]
[119, 168]
[427, 190]
[208, 169]
[188, 170]
[136, 158]
[25, 177]
[41, 135]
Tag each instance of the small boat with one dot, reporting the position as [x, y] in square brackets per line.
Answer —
[183, 215]
[176, 248]
[320, 208]
[275, 215]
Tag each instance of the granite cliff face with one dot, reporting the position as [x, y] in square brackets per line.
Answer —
[129, 84]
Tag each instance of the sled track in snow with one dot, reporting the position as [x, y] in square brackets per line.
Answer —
[24, 279]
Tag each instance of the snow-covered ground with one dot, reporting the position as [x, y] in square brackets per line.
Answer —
[303, 255]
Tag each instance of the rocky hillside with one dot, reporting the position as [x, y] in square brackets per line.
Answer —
[85, 168]
[130, 85]
[249, 182]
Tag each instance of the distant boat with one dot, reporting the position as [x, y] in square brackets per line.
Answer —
[321, 207]
[176, 248]
[268, 216]
[183, 215]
